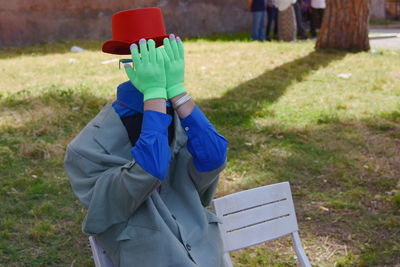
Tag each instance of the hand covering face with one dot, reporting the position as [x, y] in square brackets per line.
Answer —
[148, 75]
[174, 61]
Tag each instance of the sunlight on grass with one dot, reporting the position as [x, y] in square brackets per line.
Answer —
[284, 109]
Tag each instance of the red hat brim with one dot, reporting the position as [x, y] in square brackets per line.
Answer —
[123, 47]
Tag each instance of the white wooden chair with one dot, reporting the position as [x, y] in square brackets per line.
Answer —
[99, 254]
[256, 216]
[249, 218]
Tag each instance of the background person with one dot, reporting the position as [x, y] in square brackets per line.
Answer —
[306, 11]
[301, 32]
[272, 17]
[257, 8]
[317, 13]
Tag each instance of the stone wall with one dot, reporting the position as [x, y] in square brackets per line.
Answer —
[393, 9]
[25, 22]
[378, 10]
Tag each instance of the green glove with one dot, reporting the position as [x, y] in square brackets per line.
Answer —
[174, 62]
[149, 73]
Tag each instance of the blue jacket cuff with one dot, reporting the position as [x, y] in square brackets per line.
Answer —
[155, 121]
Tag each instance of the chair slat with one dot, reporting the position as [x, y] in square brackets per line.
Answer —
[258, 233]
[255, 196]
[259, 214]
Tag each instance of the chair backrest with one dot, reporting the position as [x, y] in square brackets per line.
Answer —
[255, 216]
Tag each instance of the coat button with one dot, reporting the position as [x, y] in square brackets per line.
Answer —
[188, 247]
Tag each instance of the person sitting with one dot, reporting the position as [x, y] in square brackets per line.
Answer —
[147, 166]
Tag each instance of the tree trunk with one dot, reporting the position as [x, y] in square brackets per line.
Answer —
[287, 24]
[345, 25]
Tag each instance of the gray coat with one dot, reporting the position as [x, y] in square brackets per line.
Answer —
[133, 222]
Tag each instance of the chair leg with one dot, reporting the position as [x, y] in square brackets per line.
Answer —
[298, 247]
[96, 258]
[227, 259]
[100, 257]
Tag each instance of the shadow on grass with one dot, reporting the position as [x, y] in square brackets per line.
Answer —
[341, 174]
[326, 164]
[40, 216]
[238, 105]
[41, 122]
[35, 149]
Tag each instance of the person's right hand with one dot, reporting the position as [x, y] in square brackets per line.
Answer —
[149, 74]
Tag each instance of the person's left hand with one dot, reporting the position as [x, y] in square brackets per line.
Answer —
[174, 62]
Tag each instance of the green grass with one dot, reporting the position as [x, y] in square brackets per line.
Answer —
[283, 108]
[381, 22]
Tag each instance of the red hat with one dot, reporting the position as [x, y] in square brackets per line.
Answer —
[130, 26]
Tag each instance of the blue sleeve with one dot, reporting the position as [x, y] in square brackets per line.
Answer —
[152, 151]
[123, 111]
[206, 145]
